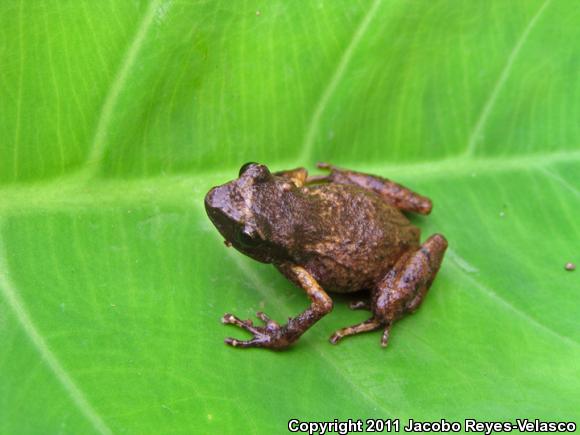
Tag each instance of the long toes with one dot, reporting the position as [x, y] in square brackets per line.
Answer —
[263, 316]
[336, 337]
[230, 319]
[232, 342]
[272, 335]
[359, 305]
[385, 337]
[254, 342]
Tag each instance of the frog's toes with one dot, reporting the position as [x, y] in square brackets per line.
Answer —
[263, 317]
[360, 305]
[385, 337]
[336, 337]
[254, 342]
[260, 339]
[368, 325]
[230, 319]
[264, 336]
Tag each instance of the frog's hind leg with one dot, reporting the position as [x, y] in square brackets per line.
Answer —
[402, 290]
[393, 193]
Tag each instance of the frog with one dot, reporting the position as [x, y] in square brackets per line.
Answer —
[340, 232]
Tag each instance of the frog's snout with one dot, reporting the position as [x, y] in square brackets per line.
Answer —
[212, 203]
[217, 198]
[210, 198]
[218, 208]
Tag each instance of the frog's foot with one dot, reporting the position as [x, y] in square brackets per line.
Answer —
[276, 336]
[360, 305]
[366, 326]
[271, 335]
[385, 337]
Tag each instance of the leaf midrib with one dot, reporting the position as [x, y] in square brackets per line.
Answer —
[75, 191]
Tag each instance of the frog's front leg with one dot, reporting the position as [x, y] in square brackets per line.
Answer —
[298, 175]
[402, 290]
[274, 336]
[395, 194]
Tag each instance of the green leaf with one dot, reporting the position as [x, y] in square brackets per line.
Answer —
[117, 117]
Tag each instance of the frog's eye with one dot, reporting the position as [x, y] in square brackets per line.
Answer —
[255, 171]
[244, 167]
[248, 240]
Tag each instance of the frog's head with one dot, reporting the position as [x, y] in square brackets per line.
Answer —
[242, 211]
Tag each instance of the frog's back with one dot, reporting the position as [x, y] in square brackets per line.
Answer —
[359, 238]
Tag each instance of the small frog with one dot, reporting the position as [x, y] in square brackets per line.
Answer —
[340, 232]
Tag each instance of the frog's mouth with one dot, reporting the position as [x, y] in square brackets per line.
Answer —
[222, 224]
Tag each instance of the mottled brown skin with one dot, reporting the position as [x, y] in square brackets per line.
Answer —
[341, 232]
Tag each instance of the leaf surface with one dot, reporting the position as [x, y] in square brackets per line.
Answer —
[117, 117]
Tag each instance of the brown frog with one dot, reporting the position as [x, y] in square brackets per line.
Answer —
[340, 232]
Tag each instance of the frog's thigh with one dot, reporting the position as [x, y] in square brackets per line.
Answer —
[405, 287]
[393, 193]
[402, 290]
[297, 176]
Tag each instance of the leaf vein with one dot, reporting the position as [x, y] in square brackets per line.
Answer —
[10, 294]
[336, 77]
[560, 180]
[498, 298]
[99, 143]
[499, 84]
